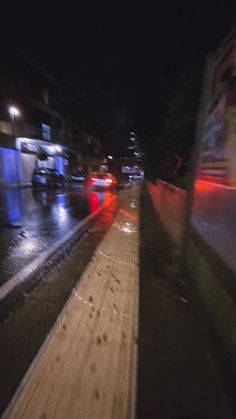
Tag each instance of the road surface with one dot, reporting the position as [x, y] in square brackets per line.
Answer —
[30, 312]
[32, 220]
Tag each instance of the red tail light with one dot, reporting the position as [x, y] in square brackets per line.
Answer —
[94, 179]
[108, 180]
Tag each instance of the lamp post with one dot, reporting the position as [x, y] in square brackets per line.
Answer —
[14, 113]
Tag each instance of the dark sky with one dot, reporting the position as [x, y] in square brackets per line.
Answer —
[121, 58]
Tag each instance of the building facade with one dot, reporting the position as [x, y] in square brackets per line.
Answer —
[39, 125]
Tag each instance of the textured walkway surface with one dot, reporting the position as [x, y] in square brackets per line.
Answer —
[86, 367]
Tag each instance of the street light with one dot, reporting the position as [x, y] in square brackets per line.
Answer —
[14, 113]
[110, 157]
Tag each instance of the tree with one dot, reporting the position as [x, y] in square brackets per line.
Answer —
[174, 144]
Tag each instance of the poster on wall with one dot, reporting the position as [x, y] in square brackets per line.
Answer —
[218, 148]
[214, 204]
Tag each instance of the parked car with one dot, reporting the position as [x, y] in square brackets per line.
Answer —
[47, 177]
[101, 180]
[136, 177]
[78, 177]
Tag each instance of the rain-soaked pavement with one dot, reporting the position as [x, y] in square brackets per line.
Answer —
[32, 220]
[41, 219]
[179, 373]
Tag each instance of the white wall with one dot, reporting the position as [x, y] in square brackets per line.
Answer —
[28, 163]
[50, 163]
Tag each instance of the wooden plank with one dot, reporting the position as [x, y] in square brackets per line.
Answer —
[86, 368]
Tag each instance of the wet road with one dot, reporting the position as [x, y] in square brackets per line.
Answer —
[32, 220]
[27, 316]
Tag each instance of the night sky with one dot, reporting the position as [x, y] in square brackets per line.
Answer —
[123, 59]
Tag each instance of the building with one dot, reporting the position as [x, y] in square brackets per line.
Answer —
[40, 126]
[86, 151]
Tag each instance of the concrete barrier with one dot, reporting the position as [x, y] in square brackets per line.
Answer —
[210, 261]
[169, 201]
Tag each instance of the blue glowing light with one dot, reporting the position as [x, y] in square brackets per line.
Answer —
[59, 164]
[10, 165]
[13, 202]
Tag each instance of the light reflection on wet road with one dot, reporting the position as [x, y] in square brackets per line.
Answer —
[31, 221]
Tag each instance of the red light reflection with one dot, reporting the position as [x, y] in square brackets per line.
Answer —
[128, 214]
[93, 200]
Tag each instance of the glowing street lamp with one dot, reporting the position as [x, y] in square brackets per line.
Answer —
[110, 157]
[14, 113]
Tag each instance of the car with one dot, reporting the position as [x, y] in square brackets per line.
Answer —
[136, 177]
[47, 177]
[101, 180]
[78, 177]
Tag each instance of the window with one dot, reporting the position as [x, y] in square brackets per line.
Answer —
[46, 132]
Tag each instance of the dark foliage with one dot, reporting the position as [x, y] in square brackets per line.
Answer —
[169, 156]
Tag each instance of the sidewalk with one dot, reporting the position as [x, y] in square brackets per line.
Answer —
[86, 367]
[89, 366]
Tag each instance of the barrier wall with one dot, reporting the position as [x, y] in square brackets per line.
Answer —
[210, 261]
[168, 201]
